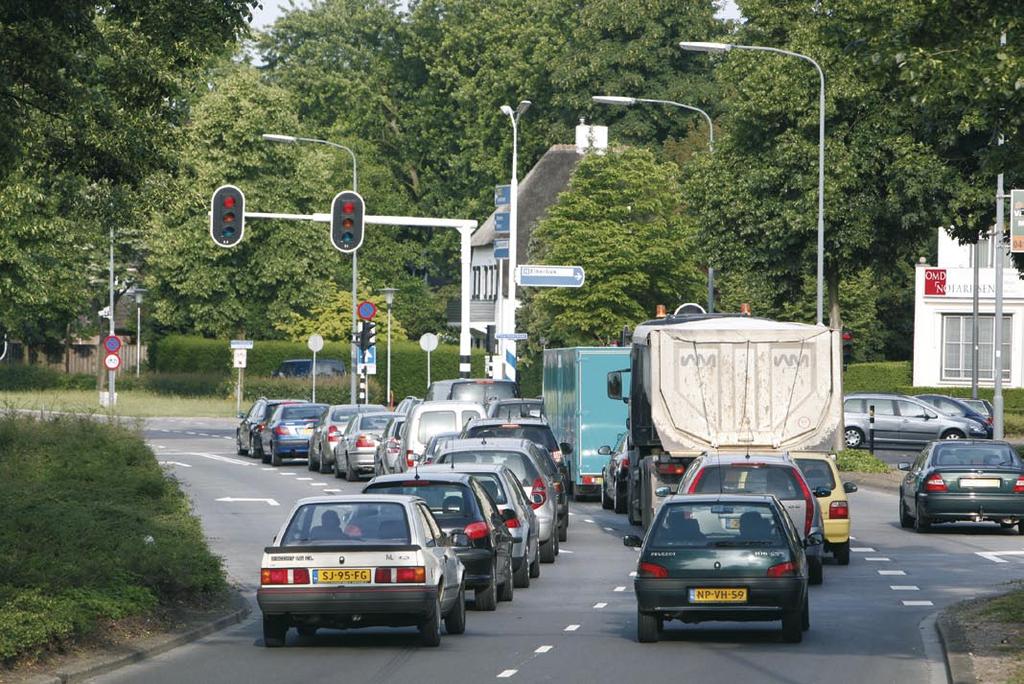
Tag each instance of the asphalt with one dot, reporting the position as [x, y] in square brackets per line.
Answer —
[871, 621]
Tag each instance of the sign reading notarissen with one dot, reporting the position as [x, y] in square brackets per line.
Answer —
[935, 281]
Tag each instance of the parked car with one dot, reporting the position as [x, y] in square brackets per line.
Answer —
[527, 461]
[465, 512]
[248, 433]
[303, 368]
[406, 405]
[328, 430]
[965, 480]
[435, 443]
[288, 431]
[354, 453]
[773, 474]
[514, 409]
[615, 475]
[983, 407]
[479, 390]
[389, 448]
[361, 561]
[902, 421]
[429, 418]
[821, 472]
[953, 406]
[504, 487]
[760, 566]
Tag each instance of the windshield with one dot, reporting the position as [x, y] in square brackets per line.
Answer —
[302, 412]
[539, 434]
[452, 503]
[977, 405]
[994, 455]
[347, 523]
[709, 525]
[296, 367]
[433, 422]
[518, 409]
[750, 478]
[517, 462]
[817, 473]
[482, 392]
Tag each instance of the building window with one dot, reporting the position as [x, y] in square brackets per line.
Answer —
[476, 282]
[957, 345]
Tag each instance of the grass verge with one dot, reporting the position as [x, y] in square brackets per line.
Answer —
[860, 461]
[994, 631]
[93, 531]
[137, 403]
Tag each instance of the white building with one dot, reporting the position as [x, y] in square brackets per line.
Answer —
[943, 302]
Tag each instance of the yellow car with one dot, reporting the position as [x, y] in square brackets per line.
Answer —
[820, 471]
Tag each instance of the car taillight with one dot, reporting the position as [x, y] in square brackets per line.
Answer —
[557, 484]
[410, 459]
[538, 494]
[333, 434]
[259, 428]
[362, 441]
[512, 523]
[1018, 486]
[809, 503]
[839, 510]
[625, 463]
[404, 575]
[651, 570]
[782, 569]
[476, 530]
[280, 430]
[671, 469]
[989, 420]
[935, 483]
[284, 576]
[300, 576]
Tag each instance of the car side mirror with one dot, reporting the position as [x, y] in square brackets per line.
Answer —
[849, 487]
[614, 385]
[508, 515]
[903, 466]
[813, 539]
[566, 448]
[605, 450]
[822, 492]
[632, 541]
[458, 539]
[662, 491]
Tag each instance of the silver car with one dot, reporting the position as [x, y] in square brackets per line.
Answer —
[354, 453]
[503, 486]
[902, 421]
[327, 433]
[385, 459]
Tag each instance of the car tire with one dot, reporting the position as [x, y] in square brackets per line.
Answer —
[921, 521]
[606, 503]
[535, 563]
[547, 551]
[906, 520]
[620, 500]
[275, 458]
[805, 617]
[853, 437]
[486, 599]
[307, 630]
[324, 468]
[1020, 527]
[455, 620]
[506, 590]
[646, 627]
[238, 444]
[521, 577]
[275, 630]
[792, 626]
[841, 552]
[350, 475]
[952, 434]
[310, 461]
[814, 571]
[563, 532]
[337, 471]
[430, 628]
[263, 455]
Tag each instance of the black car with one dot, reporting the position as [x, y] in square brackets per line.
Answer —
[248, 432]
[465, 512]
[615, 476]
[953, 406]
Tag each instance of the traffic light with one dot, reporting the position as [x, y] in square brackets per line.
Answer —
[367, 335]
[847, 348]
[347, 221]
[227, 216]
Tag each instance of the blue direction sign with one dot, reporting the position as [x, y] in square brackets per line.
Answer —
[502, 195]
[501, 222]
[368, 361]
[549, 276]
[501, 248]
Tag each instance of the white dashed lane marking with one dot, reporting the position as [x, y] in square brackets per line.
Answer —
[304, 479]
[891, 572]
[287, 473]
[587, 520]
[918, 603]
[600, 605]
[318, 484]
[268, 468]
[633, 574]
[505, 674]
[619, 589]
[877, 559]
[862, 549]
[543, 649]
[571, 628]
[333, 491]
[903, 587]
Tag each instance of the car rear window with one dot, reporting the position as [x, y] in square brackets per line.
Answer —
[978, 406]
[540, 434]
[342, 415]
[452, 503]
[492, 483]
[482, 392]
[717, 524]
[302, 412]
[372, 422]
[433, 422]
[517, 462]
[817, 473]
[511, 411]
[347, 523]
[750, 478]
[990, 455]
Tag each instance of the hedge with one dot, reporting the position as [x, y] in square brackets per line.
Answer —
[180, 354]
[885, 376]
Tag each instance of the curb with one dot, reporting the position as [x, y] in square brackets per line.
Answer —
[959, 667]
[133, 653]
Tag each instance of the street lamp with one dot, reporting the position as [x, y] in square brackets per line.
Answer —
[508, 347]
[389, 299]
[291, 140]
[726, 47]
[138, 292]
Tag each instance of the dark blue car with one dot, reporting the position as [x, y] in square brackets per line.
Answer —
[288, 431]
[952, 406]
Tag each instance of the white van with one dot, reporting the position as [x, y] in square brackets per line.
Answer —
[431, 417]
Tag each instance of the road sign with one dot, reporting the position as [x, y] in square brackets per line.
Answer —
[549, 276]
[241, 344]
[315, 343]
[502, 195]
[501, 248]
[112, 343]
[112, 361]
[368, 361]
[239, 358]
[1017, 221]
[366, 310]
[501, 222]
[428, 342]
[518, 337]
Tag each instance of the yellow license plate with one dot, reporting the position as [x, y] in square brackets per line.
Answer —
[718, 595]
[306, 432]
[341, 576]
[979, 482]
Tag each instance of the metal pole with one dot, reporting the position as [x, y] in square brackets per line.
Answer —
[390, 402]
[711, 290]
[428, 370]
[821, 194]
[974, 324]
[314, 377]
[138, 338]
[465, 337]
[513, 240]
[238, 392]
[997, 324]
[111, 389]
[499, 315]
[353, 358]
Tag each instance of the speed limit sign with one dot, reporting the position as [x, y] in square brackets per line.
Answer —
[112, 361]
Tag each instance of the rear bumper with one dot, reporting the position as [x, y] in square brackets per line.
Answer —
[291, 447]
[343, 605]
[479, 564]
[767, 598]
[971, 505]
[837, 531]
[362, 458]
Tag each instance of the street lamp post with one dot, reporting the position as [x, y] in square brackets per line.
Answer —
[629, 102]
[138, 292]
[111, 381]
[725, 47]
[353, 360]
[507, 348]
[389, 298]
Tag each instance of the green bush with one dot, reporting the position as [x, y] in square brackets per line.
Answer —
[332, 390]
[93, 530]
[885, 376]
[860, 461]
[17, 378]
[187, 384]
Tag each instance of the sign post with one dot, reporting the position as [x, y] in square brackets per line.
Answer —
[239, 349]
[428, 343]
[315, 344]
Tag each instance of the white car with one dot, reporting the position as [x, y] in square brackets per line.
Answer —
[360, 561]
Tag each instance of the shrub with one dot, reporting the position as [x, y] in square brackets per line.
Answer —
[860, 461]
[886, 376]
[332, 390]
[17, 378]
[186, 384]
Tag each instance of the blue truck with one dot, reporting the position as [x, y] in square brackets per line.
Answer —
[579, 411]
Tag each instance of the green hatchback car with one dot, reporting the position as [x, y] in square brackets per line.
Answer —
[963, 480]
[722, 557]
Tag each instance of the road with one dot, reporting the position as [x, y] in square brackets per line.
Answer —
[870, 621]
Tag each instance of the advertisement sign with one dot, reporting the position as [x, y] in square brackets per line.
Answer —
[935, 282]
